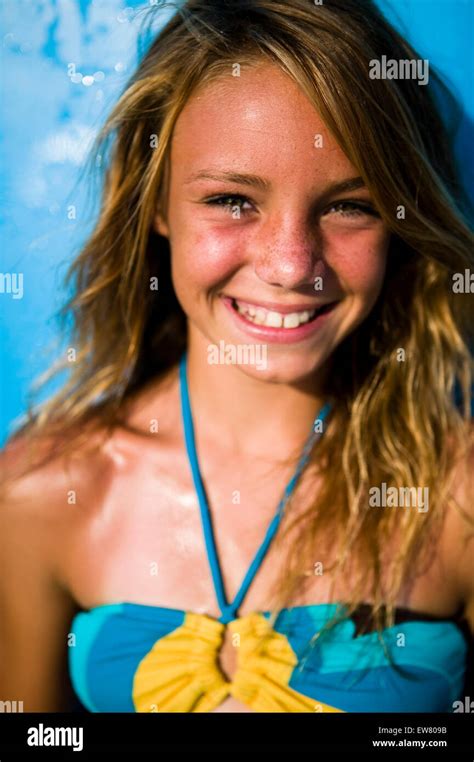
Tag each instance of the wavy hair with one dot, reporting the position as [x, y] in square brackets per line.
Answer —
[400, 423]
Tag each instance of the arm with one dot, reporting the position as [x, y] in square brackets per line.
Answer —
[35, 612]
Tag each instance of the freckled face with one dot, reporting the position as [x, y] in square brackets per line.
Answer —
[265, 247]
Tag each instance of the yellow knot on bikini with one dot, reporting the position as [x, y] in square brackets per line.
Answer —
[181, 672]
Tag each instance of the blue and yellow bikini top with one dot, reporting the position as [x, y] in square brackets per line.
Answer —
[129, 657]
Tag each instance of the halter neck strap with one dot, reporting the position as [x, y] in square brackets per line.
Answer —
[229, 610]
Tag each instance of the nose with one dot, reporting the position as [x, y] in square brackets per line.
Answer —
[286, 253]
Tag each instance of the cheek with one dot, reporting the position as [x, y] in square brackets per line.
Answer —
[202, 257]
[359, 262]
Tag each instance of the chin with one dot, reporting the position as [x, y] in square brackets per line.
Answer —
[284, 367]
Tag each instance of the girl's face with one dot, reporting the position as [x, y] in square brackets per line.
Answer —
[274, 239]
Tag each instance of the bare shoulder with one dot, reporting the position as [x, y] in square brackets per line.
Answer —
[35, 608]
[36, 500]
[36, 519]
[35, 487]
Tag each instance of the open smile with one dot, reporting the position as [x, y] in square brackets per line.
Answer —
[280, 323]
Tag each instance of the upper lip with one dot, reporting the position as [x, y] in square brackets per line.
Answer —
[283, 308]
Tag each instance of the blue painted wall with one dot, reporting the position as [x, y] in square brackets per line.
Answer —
[63, 63]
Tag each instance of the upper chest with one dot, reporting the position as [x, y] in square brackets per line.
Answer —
[139, 536]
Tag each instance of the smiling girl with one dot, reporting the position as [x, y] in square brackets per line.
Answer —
[199, 536]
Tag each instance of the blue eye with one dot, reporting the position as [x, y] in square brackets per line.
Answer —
[230, 202]
[351, 209]
[233, 202]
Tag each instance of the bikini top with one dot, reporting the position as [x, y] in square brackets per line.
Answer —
[129, 657]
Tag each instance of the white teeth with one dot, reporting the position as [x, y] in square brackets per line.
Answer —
[273, 319]
[259, 316]
[291, 321]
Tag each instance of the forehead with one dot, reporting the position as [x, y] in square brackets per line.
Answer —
[260, 121]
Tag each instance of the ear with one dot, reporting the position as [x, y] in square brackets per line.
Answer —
[160, 225]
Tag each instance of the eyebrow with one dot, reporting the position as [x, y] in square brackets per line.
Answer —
[351, 184]
[233, 177]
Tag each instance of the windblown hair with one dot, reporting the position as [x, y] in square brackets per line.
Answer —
[403, 423]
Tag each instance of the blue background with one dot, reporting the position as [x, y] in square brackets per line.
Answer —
[51, 112]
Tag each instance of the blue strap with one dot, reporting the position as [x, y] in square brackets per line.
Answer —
[229, 610]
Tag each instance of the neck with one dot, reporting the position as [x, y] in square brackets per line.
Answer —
[248, 415]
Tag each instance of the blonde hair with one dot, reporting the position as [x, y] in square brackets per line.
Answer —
[402, 423]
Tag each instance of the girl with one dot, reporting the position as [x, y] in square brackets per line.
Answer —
[252, 494]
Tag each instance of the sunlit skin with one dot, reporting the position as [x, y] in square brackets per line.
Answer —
[135, 506]
[295, 225]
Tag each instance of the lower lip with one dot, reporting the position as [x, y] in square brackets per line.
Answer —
[278, 335]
